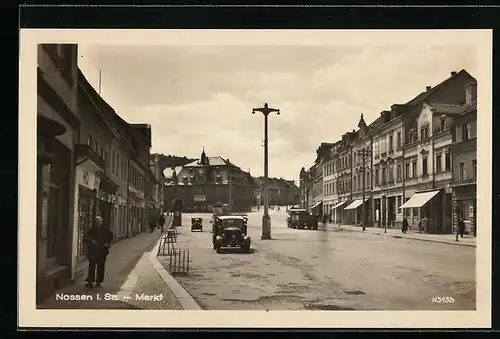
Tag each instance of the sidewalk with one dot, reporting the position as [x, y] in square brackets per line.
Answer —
[467, 240]
[129, 272]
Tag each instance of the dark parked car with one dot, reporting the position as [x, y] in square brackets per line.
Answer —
[196, 224]
[230, 231]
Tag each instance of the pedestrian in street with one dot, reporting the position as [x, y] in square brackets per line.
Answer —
[404, 229]
[152, 224]
[97, 240]
[161, 222]
[425, 223]
[461, 228]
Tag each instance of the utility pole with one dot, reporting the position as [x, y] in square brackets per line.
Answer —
[266, 221]
[363, 153]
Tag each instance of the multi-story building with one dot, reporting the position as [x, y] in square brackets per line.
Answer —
[119, 157]
[427, 155]
[344, 175]
[282, 192]
[329, 182]
[464, 151]
[316, 176]
[210, 180]
[94, 186]
[361, 175]
[159, 182]
[404, 159]
[387, 167]
[57, 134]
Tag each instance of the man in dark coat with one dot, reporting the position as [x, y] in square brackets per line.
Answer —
[97, 240]
[404, 229]
[461, 228]
[161, 222]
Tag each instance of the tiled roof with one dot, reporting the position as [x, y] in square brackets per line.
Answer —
[212, 161]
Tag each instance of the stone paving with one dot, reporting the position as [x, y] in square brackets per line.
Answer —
[335, 269]
[131, 281]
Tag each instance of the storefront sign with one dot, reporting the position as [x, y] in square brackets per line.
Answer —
[200, 198]
[109, 197]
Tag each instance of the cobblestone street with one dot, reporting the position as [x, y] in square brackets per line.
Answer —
[332, 270]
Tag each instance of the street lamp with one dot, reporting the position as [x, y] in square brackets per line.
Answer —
[266, 221]
[363, 153]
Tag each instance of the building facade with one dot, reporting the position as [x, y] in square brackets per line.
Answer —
[57, 134]
[159, 182]
[464, 151]
[94, 188]
[207, 181]
[403, 162]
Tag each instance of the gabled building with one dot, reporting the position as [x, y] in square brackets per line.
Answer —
[207, 181]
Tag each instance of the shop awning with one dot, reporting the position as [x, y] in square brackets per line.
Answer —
[340, 204]
[355, 204]
[317, 204]
[419, 199]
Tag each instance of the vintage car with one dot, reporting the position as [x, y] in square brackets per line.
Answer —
[196, 224]
[230, 231]
[299, 218]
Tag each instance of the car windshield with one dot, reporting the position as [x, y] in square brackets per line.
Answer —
[232, 223]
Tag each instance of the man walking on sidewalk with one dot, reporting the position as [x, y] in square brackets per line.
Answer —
[97, 240]
[161, 222]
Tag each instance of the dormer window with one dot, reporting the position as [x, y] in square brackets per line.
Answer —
[410, 137]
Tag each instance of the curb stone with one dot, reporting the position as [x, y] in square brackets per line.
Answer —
[413, 238]
[185, 299]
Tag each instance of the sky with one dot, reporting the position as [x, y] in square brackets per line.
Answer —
[199, 97]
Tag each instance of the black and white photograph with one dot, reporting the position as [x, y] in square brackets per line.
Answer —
[309, 177]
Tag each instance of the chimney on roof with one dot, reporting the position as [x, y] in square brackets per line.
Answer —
[453, 73]
[428, 88]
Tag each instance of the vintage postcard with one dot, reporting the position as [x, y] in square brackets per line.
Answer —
[255, 178]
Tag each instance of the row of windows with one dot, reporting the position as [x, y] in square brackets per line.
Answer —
[462, 171]
[387, 143]
[118, 165]
[386, 174]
